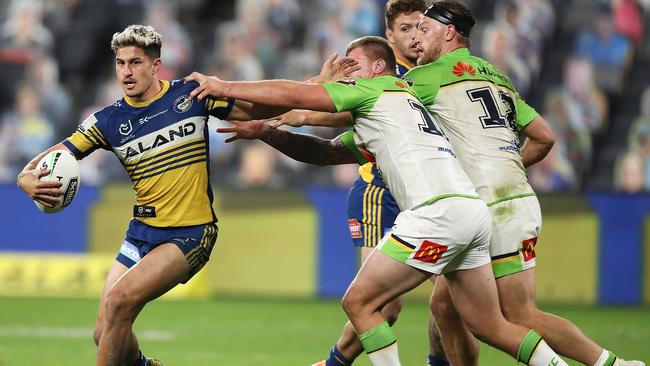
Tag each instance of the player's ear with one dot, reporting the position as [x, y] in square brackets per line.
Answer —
[451, 31]
[379, 66]
[156, 65]
[389, 35]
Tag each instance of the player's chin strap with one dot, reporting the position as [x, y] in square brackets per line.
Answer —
[462, 23]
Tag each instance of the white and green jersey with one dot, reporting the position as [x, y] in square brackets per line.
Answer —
[482, 114]
[392, 127]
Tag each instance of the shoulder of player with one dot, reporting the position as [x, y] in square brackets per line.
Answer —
[180, 86]
[487, 70]
[107, 113]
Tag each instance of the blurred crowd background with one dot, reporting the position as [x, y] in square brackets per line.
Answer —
[583, 64]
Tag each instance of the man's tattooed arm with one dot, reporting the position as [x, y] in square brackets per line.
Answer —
[309, 149]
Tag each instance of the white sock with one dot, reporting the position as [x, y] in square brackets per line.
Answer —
[545, 356]
[386, 356]
[606, 359]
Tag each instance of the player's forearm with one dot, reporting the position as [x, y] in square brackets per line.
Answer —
[280, 93]
[327, 119]
[308, 149]
[246, 111]
[534, 151]
[540, 140]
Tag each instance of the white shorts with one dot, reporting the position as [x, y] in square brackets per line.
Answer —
[516, 224]
[449, 235]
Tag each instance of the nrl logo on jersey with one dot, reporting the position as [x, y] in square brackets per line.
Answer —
[182, 104]
[126, 128]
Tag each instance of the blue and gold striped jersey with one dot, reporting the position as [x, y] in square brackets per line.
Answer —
[163, 145]
[402, 68]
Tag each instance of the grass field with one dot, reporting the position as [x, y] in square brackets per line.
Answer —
[243, 332]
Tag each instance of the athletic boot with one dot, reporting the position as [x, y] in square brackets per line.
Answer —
[621, 362]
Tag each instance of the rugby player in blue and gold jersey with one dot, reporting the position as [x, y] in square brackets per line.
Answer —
[160, 137]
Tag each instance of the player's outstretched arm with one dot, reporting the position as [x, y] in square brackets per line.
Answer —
[46, 192]
[539, 141]
[305, 148]
[282, 93]
[313, 118]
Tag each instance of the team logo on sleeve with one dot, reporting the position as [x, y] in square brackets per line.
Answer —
[182, 104]
[126, 128]
[430, 252]
[461, 68]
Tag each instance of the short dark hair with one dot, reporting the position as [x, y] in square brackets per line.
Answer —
[461, 17]
[396, 7]
[375, 48]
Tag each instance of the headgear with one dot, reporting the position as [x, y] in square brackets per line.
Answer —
[462, 23]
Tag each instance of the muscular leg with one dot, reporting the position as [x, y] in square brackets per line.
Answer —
[517, 297]
[474, 295]
[375, 286]
[116, 271]
[461, 347]
[158, 272]
[349, 344]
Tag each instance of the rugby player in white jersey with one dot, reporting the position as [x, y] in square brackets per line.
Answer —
[371, 207]
[443, 228]
[482, 114]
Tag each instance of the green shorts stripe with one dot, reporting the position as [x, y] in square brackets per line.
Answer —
[506, 265]
[396, 249]
[511, 198]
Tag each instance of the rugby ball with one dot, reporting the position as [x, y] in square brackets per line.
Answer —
[65, 169]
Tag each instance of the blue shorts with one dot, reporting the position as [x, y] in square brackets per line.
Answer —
[371, 213]
[196, 243]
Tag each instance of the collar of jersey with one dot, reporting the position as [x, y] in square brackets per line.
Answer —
[165, 87]
[457, 52]
[402, 63]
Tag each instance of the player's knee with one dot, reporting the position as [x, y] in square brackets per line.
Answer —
[349, 302]
[523, 314]
[120, 304]
[441, 305]
[354, 302]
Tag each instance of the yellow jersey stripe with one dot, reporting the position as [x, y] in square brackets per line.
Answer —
[162, 159]
[178, 158]
[98, 135]
[179, 163]
[380, 197]
[196, 141]
[375, 214]
[199, 161]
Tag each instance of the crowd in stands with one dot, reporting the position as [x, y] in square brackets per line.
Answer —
[55, 64]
